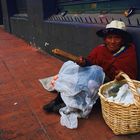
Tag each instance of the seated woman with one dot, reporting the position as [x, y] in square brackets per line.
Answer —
[115, 55]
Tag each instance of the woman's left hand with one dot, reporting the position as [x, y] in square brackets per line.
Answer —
[118, 77]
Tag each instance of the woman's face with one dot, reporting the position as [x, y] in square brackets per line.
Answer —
[113, 42]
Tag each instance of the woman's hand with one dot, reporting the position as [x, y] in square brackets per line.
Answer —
[81, 61]
[118, 77]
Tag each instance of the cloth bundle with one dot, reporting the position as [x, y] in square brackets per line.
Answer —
[78, 87]
[122, 96]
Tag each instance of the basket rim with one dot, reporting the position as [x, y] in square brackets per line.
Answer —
[111, 102]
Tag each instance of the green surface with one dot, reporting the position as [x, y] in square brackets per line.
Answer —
[90, 6]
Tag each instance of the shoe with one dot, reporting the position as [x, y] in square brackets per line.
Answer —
[58, 107]
[54, 105]
[49, 107]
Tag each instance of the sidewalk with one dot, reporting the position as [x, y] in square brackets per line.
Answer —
[22, 98]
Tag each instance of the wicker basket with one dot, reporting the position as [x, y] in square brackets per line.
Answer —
[122, 119]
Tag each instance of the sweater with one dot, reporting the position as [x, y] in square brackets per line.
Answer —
[111, 63]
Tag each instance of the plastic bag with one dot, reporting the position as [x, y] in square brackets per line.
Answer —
[78, 87]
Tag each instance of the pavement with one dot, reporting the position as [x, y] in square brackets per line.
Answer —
[22, 97]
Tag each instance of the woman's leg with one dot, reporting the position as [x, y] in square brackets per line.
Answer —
[54, 105]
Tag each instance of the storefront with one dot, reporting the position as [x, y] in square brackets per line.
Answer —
[67, 24]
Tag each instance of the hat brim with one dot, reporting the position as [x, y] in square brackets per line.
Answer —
[104, 32]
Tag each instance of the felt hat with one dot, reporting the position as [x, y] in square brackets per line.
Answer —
[115, 27]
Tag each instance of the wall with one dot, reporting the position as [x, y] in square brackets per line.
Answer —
[1, 15]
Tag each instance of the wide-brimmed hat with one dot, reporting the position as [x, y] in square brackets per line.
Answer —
[115, 27]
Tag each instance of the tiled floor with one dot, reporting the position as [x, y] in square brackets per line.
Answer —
[22, 98]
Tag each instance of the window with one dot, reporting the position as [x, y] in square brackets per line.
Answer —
[96, 6]
[96, 11]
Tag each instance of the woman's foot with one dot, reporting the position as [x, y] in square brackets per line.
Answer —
[54, 105]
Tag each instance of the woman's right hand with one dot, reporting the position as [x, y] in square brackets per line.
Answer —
[81, 61]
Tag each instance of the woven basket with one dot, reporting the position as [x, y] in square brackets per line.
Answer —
[122, 119]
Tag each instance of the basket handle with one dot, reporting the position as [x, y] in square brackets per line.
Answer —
[132, 87]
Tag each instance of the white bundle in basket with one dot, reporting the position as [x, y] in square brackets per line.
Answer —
[123, 96]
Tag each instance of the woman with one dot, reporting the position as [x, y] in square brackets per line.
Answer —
[115, 55]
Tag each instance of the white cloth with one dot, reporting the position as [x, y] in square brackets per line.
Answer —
[123, 96]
